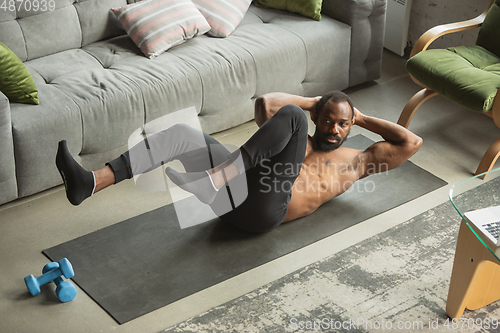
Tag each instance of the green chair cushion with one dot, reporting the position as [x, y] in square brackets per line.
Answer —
[309, 8]
[15, 79]
[468, 75]
[489, 34]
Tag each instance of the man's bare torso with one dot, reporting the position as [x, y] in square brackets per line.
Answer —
[323, 176]
[327, 174]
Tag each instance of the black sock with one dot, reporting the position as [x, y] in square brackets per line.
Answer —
[79, 182]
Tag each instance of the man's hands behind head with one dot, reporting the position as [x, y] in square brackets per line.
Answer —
[358, 117]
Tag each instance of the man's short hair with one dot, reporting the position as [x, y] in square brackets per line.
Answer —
[336, 97]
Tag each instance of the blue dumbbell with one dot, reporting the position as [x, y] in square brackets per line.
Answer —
[34, 284]
[65, 290]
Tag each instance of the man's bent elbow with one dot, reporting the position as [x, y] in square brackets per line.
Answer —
[260, 110]
[261, 113]
[260, 103]
[416, 144]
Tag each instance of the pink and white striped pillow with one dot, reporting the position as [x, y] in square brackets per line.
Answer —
[222, 15]
[157, 25]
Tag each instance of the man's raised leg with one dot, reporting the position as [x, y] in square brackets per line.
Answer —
[269, 140]
[174, 142]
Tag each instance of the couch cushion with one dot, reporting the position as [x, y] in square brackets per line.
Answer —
[468, 75]
[110, 104]
[229, 80]
[72, 24]
[157, 25]
[97, 21]
[51, 32]
[13, 24]
[223, 16]
[283, 68]
[104, 97]
[11, 34]
[161, 81]
[63, 63]
[16, 81]
[327, 42]
[298, 43]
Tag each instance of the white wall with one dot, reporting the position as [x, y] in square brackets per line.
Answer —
[426, 14]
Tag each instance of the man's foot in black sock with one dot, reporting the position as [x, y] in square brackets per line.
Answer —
[79, 182]
[198, 183]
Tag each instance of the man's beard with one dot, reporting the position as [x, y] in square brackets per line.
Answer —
[324, 145]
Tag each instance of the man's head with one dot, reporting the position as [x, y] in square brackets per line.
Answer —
[333, 117]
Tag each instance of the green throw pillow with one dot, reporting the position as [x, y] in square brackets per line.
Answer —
[16, 81]
[309, 8]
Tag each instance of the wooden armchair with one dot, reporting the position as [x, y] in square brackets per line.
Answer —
[468, 75]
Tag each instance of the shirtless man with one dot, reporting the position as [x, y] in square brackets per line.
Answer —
[340, 166]
[305, 171]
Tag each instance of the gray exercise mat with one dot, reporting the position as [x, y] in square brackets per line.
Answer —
[146, 262]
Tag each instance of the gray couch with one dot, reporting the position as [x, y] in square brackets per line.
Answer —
[96, 88]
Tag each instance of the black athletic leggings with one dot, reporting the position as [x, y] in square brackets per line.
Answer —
[272, 158]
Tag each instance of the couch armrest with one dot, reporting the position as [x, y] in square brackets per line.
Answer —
[8, 183]
[367, 21]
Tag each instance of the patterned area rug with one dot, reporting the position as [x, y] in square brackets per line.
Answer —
[396, 281]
